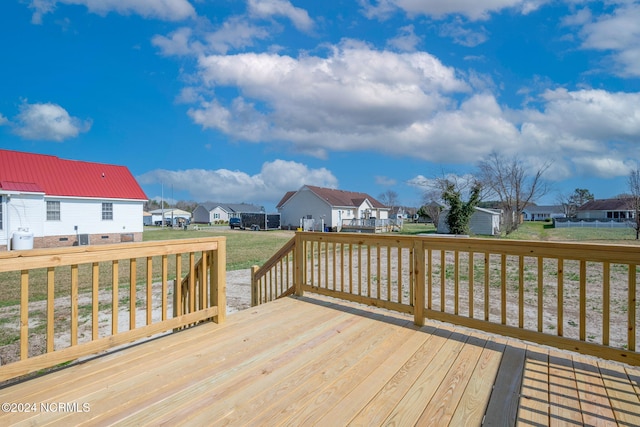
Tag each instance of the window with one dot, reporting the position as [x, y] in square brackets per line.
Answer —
[107, 211]
[53, 211]
[1, 207]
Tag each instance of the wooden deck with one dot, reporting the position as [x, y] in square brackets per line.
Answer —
[316, 361]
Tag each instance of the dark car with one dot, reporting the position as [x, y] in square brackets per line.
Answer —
[235, 223]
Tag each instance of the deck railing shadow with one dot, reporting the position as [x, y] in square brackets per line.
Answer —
[79, 301]
[572, 296]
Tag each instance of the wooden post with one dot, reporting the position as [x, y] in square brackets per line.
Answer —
[254, 286]
[631, 311]
[219, 281]
[24, 314]
[299, 259]
[419, 271]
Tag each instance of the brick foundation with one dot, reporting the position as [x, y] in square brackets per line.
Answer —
[73, 240]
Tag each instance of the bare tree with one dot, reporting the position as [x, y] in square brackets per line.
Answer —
[435, 189]
[432, 205]
[508, 180]
[572, 201]
[389, 198]
[634, 199]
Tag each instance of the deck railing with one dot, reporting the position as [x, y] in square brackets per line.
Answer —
[574, 296]
[62, 304]
[275, 278]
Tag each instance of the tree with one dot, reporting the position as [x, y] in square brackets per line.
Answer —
[431, 210]
[571, 202]
[389, 198]
[460, 212]
[508, 180]
[634, 199]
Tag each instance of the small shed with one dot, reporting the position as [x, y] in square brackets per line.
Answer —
[483, 222]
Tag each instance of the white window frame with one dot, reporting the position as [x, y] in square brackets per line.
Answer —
[53, 210]
[107, 211]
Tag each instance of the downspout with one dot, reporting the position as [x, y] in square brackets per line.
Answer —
[8, 227]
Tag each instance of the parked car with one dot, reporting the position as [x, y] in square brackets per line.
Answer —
[235, 223]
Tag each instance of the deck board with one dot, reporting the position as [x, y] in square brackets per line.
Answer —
[564, 402]
[318, 361]
[534, 396]
[502, 408]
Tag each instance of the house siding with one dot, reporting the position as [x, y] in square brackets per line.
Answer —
[604, 214]
[218, 214]
[201, 215]
[327, 205]
[30, 211]
[481, 223]
[305, 203]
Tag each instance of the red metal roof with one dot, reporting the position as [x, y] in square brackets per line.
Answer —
[30, 172]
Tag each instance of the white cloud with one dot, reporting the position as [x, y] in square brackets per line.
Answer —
[589, 115]
[472, 9]
[49, 122]
[355, 98]
[385, 181]
[40, 8]
[168, 10]
[360, 99]
[461, 35]
[3, 120]
[603, 166]
[586, 132]
[178, 43]
[406, 40]
[235, 33]
[273, 181]
[269, 8]
[617, 32]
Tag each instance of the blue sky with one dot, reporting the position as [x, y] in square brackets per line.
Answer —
[241, 101]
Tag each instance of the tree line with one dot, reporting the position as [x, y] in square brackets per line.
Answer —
[508, 184]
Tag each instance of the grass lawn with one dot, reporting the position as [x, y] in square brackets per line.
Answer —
[244, 248]
[247, 248]
[543, 231]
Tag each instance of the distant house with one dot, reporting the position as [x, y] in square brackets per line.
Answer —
[606, 209]
[210, 212]
[312, 207]
[403, 212]
[147, 218]
[483, 222]
[46, 202]
[171, 216]
[542, 213]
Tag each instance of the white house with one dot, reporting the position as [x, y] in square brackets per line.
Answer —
[172, 216]
[483, 222]
[312, 207]
[210, 212]
[606, 209]
[542, 213]
[46, 201]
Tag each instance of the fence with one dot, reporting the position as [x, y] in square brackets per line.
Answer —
[61, 304]
[569, 223]
[580, 297]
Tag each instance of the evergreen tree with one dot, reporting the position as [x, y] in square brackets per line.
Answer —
[460, 212]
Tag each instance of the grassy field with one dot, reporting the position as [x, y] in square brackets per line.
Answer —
[244, 248]
[543, 231]
[248, 248]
